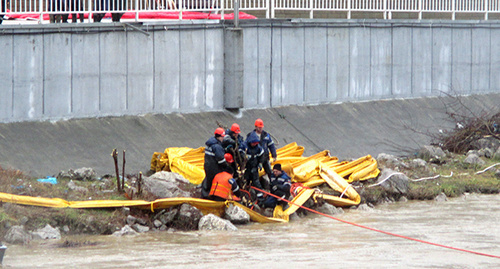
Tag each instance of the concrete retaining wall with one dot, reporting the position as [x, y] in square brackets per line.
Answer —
[348, 130]
[51, 72]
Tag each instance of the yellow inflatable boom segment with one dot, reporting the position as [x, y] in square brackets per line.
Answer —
[311, 171]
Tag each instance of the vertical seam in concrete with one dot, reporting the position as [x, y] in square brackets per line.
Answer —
[154, 72]
[205, 71]
[304, 65]
[271, 68]
[489, 53]
[258, 64]
[99, 71]
[370, 94]
[179, 103]
[72, 78]
[349, 65]
[451, 60]
[411, 67]
[327, 65]
[432, 59]
[126, 70]
[471, 59]
[392, 60]
[281, 66]
[43, 75]
[12, 78]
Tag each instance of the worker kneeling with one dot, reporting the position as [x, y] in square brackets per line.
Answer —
[224, 186]
[280, 186]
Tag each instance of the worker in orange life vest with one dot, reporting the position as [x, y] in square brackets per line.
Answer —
[224, 186]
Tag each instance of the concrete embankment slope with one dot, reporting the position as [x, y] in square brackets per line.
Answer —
[348, 130]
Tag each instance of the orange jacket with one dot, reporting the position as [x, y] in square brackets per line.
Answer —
[222, 187]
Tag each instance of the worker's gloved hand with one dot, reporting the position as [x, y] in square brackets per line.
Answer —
[273, 160]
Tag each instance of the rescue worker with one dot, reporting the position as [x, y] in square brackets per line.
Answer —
[280, 186]
[233, 143]
[266, 142]
[214, 160]
[255, 160]
[224, 186]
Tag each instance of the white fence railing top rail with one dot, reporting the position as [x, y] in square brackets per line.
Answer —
[50, 7]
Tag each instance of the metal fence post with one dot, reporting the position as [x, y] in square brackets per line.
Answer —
[222, 9]
[348, 9]
[136, 10]
[486, 9]
[311, 3]
[453, 9]
[420, 9]
[385, 9]
[40, 6]
[236, 13]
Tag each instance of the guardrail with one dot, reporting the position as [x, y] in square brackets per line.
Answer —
[386, 7]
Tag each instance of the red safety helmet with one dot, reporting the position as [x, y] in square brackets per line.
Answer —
[219, 132]
[229, 157]
[235, 128]
[259, 123]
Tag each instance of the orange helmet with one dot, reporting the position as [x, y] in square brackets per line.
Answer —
[229, 157]
[259, 123]
[235, 128]
[219, 132]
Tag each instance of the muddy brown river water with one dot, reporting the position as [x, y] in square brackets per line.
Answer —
[470, 222]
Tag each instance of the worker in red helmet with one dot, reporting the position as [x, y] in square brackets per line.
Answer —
[214, 160]
[233, 143]
[266, 142]
[224, 186]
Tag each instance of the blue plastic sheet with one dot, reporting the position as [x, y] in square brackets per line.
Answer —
[51, 180]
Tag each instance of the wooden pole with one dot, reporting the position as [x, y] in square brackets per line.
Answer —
[139, 183]
[115, 158]
[123, 171]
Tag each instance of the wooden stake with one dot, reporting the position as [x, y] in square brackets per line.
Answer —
[123, 171]
[115, 158]
[139, 183]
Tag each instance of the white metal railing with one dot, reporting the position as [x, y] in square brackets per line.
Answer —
[387, 7]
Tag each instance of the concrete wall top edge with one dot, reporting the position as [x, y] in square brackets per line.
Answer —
[196, 24]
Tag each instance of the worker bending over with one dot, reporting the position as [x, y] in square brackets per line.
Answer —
[224, 186]
[280, 186]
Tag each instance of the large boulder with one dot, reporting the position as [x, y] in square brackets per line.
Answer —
[47, 232]
[441, 198]
[388, 160]
[72, 186]
[83, 173]
[187, 218]
[473, 159]
[236, 215]
[212, 222]
[167, 185]
[430, 152]
[329, 209]
[393, 182]
[167, 216]
[17, 235]
[126, 230]
[418, 164]
[486, 143]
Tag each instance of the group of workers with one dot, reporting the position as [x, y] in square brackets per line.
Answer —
[232, 165]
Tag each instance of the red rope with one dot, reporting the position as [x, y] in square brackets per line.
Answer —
[377, 230]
